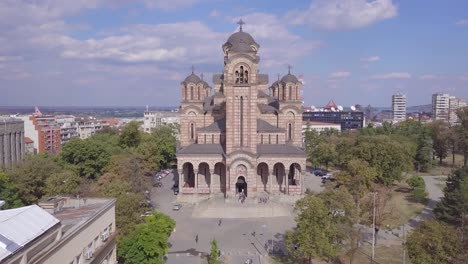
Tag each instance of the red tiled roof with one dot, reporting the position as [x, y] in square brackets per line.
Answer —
[28, 140]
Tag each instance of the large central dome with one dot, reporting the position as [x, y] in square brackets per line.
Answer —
[241, 42]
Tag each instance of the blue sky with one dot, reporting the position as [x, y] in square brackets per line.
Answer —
[128, 52]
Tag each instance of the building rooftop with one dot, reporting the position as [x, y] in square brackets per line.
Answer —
[279, 150]
[202, 149]
[22, 225]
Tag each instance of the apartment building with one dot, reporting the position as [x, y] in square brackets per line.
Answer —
[65, 230]
[455, 104]
[399, 107]
[440, 106]
[68, 127]
[87, 127]
[155, 119]
[44, 131]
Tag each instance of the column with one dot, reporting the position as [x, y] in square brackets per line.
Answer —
[196, 180]
[270, 180]
[181, 179]
[18, 146]
[23, 147]
[1, 151]
[287, 181]
[6, 146]
[13, 147]
[211, 180]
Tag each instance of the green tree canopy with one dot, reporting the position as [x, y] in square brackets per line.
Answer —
[316, 234]
[433, 243]
[159, 148]
[29, 177]
[88, 157]
[424, 150]
[131, 135]
[214, 253]
[440, 138]
[9, 193]
[65, 183]
[148, 243]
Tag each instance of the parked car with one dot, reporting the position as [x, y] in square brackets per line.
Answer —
[319, 173]
[176, 207]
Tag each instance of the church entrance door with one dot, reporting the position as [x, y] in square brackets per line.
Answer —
[241, 185]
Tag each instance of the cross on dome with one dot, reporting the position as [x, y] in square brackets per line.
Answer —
[289, 68]
[192, 68]
[240, 23]
[201, 75]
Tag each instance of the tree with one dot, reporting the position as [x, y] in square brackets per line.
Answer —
[433, 243]
[325, 153]
[381, 207]
[424, 151]
[214, 254]
[131, 135]
[440, 137]
[64, 182]
[130, 169]
[358, 178]
[462, 132]
[29, 177]
[159, 149]
[390, 156]
[316, 234]
[453, 207]
[416, 182]
[147, 244]
[88, 157]
[9, 193]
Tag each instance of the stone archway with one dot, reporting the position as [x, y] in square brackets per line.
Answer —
[294, 175]
[280, 174]
[189, 175]
[219, 179]
[204, 178]
[262, 176]
[241, 185]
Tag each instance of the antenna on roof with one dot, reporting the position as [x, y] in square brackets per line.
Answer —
[353, 108]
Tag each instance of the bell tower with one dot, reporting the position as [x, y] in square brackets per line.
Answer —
[241, 89]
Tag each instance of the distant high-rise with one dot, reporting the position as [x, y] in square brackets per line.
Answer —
[455, 104]
[11, 141]
[399, 107]
[44, 131]
[440, 106]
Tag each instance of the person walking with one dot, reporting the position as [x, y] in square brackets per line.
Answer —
[196, 239]
[219, 222]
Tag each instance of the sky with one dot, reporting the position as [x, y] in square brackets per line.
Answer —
[136, 53]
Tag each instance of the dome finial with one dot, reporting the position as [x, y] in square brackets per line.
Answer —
[193, 69]
[289, 68]
[240, 23]
[201, 75]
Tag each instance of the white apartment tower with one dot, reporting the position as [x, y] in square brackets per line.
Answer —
[455, 104]
[440, 106]
[399, 107]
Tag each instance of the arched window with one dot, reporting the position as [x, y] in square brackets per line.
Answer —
[212, 138]
[297, 93]
[237, 77]
[192, 133]
[269, 139]
[284, 93]
[277, 141]
[289, 132]
[191, 92]
[241, 108]
[261, 139]
[246, 77]
[241, 77]
[199, 93]
[186, 93]
[290, 93]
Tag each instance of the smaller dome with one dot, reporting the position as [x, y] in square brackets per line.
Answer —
[192, 78]
[289, 78]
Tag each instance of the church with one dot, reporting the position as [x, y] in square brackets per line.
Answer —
[242, 135]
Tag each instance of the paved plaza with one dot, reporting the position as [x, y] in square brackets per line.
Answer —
[248, 236]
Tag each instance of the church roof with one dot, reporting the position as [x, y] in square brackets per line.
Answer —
[273, 150]
[218, 78]
[262, 94]
[205, 149]
[264, 126]
[267, 108]
[289, 78]
[192, 78]
[241, 42]
[217, 126]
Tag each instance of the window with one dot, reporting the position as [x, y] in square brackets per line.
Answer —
[191, 92]
[242, 75]
[290, 93]
[289, 132]
[191, 131]
[241, 120]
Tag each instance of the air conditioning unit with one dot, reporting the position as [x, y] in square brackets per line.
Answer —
[105, 236]
[89, 255]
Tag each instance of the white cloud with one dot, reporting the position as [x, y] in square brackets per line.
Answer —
[371, 59]
[343, 14]
[393, 75]
[170, 5]
[339, 75]
[278, 46]
[430, 77]
[462, 22]
[10, 58]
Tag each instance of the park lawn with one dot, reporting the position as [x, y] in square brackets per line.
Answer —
[402, 207]
[383, 255]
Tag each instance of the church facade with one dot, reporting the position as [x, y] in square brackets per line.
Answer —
[244, 135]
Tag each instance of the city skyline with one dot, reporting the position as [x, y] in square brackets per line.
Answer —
[110, 53]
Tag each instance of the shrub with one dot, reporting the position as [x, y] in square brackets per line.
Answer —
[419, 195]
[416, 182]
